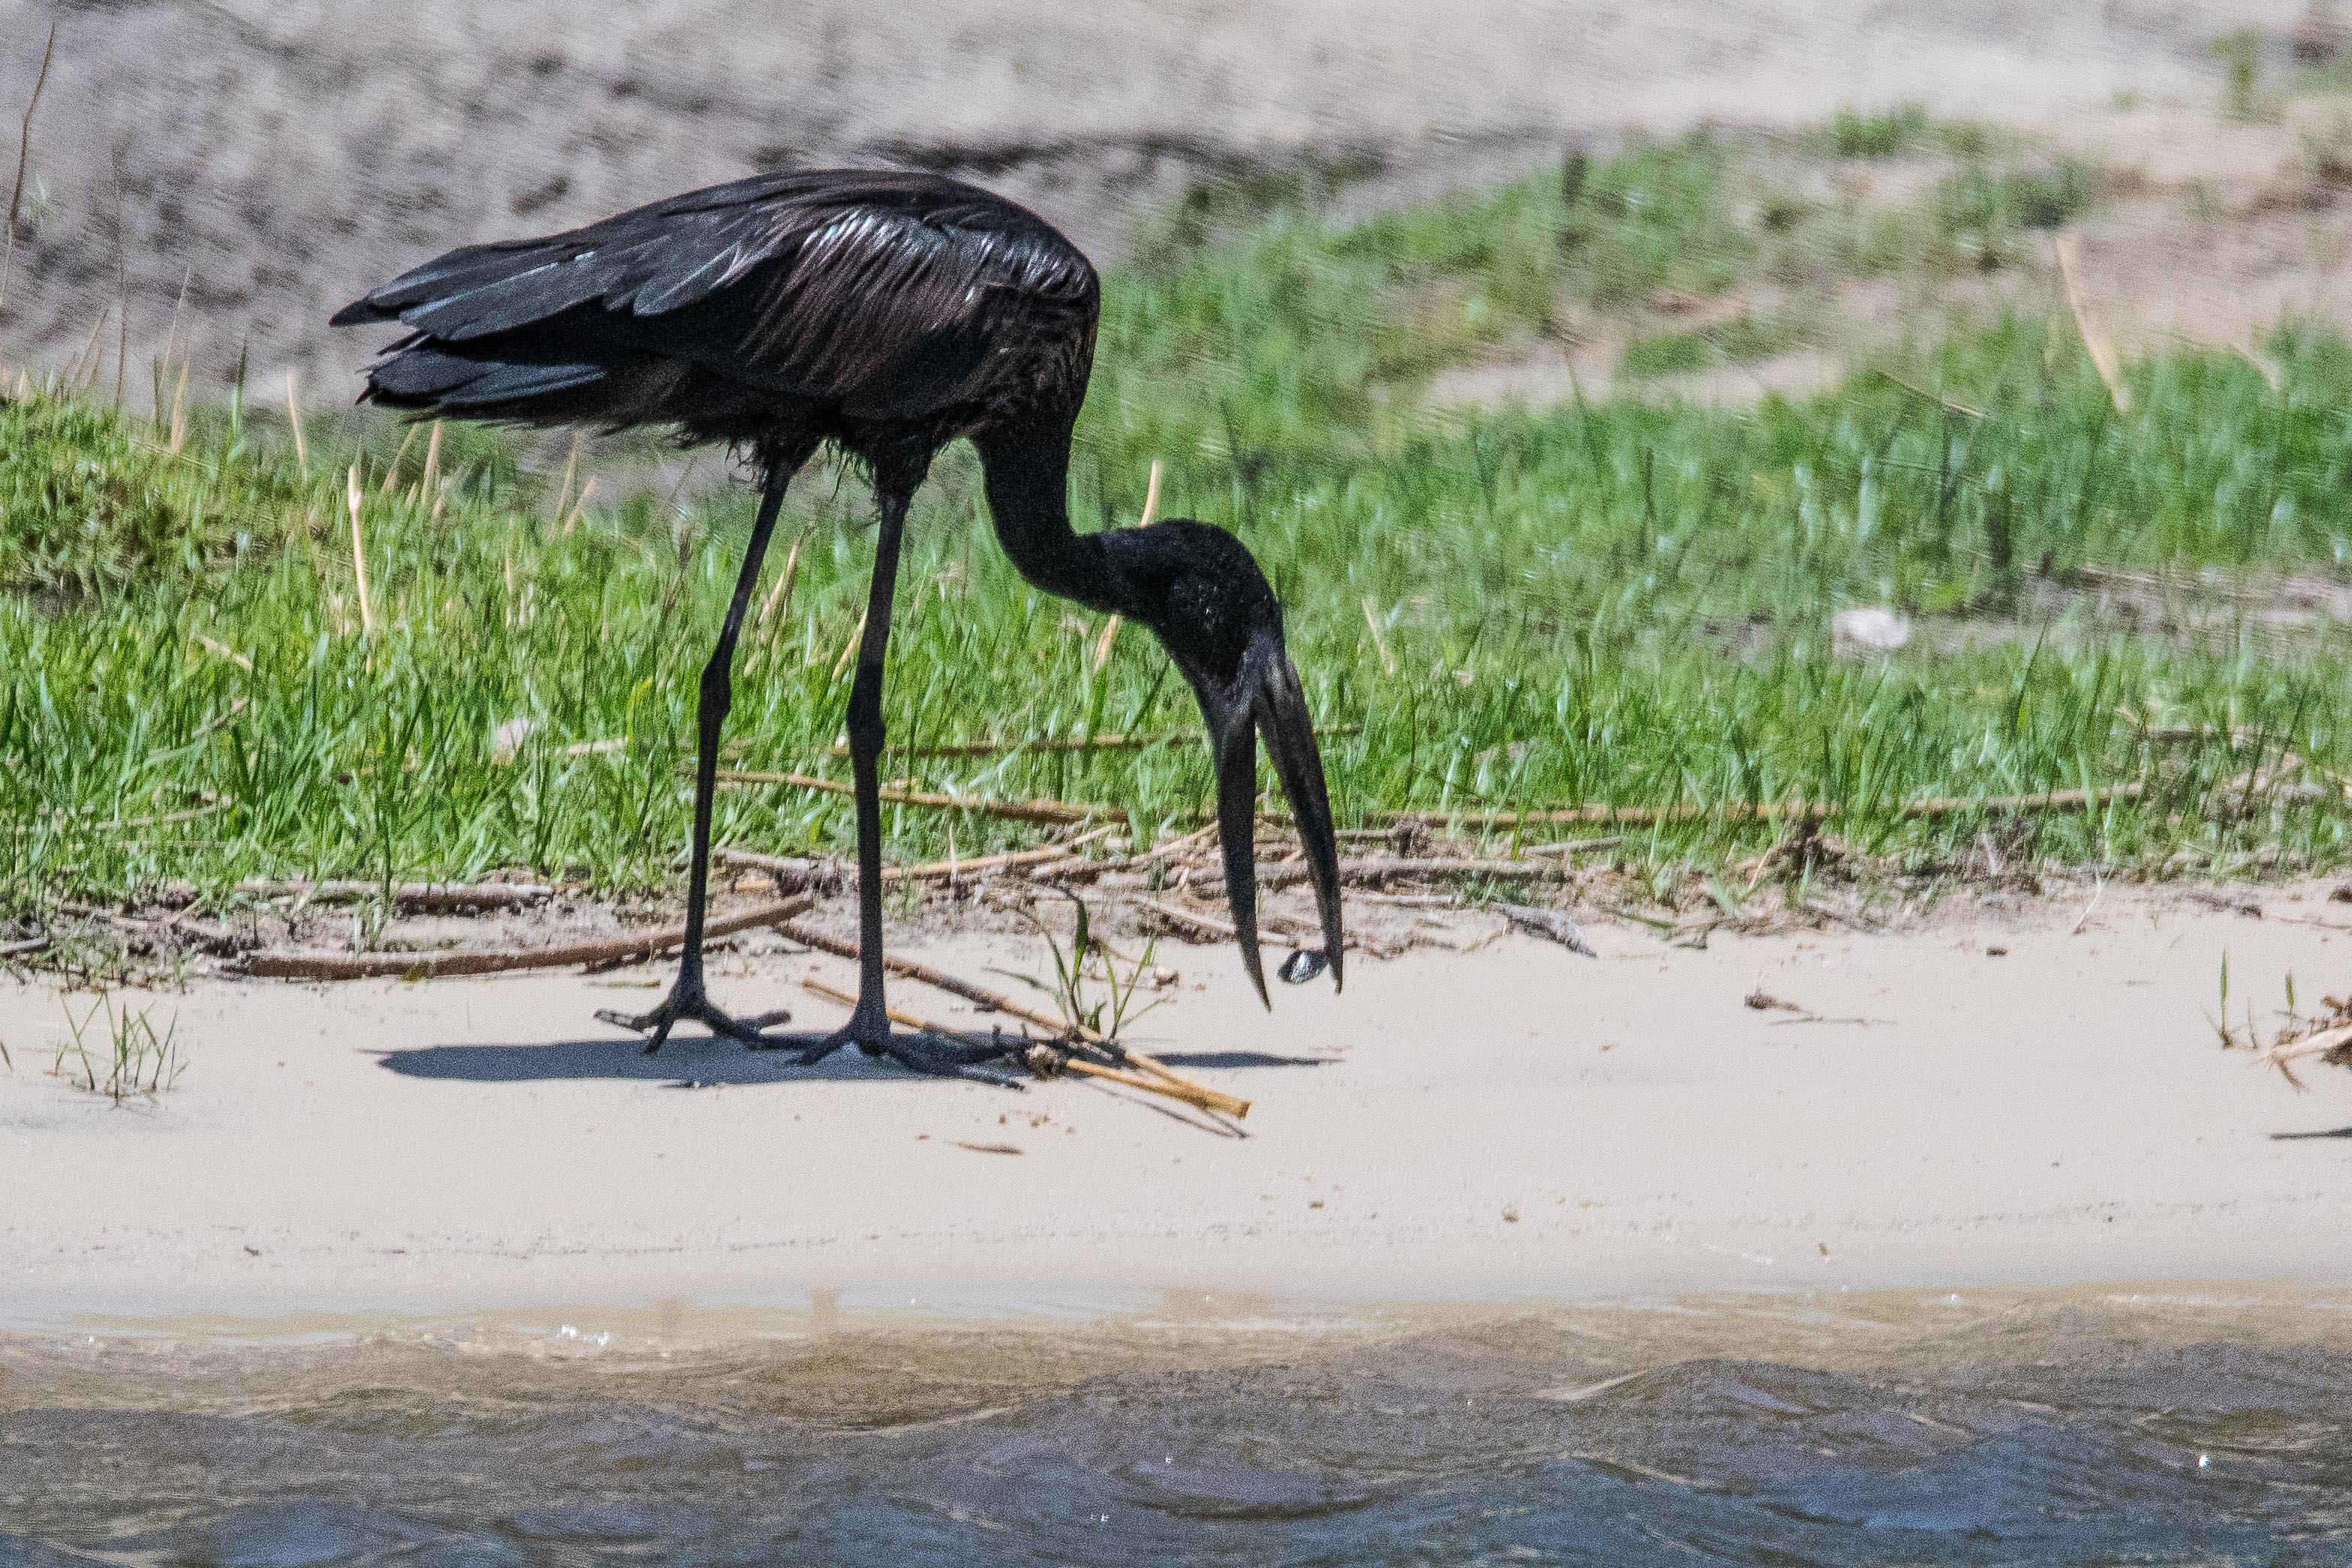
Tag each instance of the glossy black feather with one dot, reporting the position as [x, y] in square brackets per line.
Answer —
[821, 304]
[890, 314]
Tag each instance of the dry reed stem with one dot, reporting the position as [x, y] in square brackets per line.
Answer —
[24, 152]
[180, 413]
[571, 467]
[2102, 354]
[428, 484]
[750, 859]
[1060, 1028]
[1151, 513]
[172, 338]
[1387, 868]
[580, 506]
[849, 648]
[1549, 924]
[432, 897]
[2333, 1043]
[1573, 847]
[122, 292]
[222, 651]
[359, 553]
[1044, 743]
[90, 346]
[221, 720]
[1796, 810]
[824, 942]
[1178, 846]
[1190, 1093]
[1938, 399]
[1209, 924]
[294, 418]
[1379, 643]
[780, 598]
[1150, 498]
[1059, 813]
[2269, 373]
[391, 469]
[276, 966]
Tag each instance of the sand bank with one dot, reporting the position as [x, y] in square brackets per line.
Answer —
[1513, 1121]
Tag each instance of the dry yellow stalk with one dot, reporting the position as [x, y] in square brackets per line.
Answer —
[1173, 1088]
[1150, 511]
[2102, 354]
[1379, 643]
[353, 498]
[294, 417]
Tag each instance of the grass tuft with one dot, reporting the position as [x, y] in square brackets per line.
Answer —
[94, 507]
[1880, 133]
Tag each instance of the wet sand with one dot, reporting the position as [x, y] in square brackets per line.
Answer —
[1508, 1123]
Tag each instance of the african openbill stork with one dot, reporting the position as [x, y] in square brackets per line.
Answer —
[887, 313]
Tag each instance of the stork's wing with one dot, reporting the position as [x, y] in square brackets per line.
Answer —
[871, 289]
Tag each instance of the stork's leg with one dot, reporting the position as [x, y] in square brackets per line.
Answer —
[869, 1026]
[687, 998]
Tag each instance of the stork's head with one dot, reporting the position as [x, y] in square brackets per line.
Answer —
[1198, 588]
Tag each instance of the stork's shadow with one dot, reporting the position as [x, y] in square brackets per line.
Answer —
[699, 1062]
[690, 1061]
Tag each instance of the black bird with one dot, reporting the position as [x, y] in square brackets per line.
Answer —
[890, 314]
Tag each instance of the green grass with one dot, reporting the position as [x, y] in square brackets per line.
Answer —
[1879, 133]
[1608, 601]
[1672, 354]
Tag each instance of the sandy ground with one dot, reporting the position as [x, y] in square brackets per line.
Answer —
[273, 159]
[1507, 1122]
[2060, 1112]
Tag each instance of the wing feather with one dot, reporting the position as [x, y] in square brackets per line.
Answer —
[872, 289]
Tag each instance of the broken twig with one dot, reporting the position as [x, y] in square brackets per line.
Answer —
[1389, 868]
[936, 871]
[1548, 922]
[996, 1001]
[1060, 812]
[1796, 810]
[274, 965]
[1190, 1093]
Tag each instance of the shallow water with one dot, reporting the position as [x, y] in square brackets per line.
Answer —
[2151, 1427]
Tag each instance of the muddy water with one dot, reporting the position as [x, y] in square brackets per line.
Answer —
[2142, 1427]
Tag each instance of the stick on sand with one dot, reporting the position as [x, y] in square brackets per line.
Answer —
[824, 943]
[435, 966]
[1809, 811]
[1174, 1089]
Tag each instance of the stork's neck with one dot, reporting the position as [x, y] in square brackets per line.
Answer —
[1028, 479]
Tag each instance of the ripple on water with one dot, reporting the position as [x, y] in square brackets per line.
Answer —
[2149, 1428]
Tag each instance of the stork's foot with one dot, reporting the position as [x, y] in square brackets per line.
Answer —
[936, 1053]
[687, 1000]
